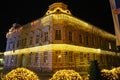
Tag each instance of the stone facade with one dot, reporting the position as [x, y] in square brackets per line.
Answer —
[59, 40]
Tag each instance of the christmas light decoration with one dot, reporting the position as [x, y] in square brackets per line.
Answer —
[20, 74]
[113, 74]
[66, 75]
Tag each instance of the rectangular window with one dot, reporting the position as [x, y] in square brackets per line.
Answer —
[20, 43]
[93, 40]
[37, 58]
[46, 36]
[70, 58]
[101, 58]
[45, 57]
[30, 58]
[109, 45]
[88, 57]
[17, 43]
[58, 35]
[31, 40]
[37, 39]
[94, 57]
[58, 56]
[24, 42]
[80, 38]
[81, 57]
[6, 60]
[87, 41]
[16, 59]
[70, 36]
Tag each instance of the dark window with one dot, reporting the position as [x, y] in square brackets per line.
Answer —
[17, 43]
[70, 36]
[93, 40]
[37, 39]
[36, 58]
[46, 36]
[70, 58]
[81, 57]
[58, 35]
[31, 40]
[24, 42]
[30, 58]
[87, 41]
[80, 38]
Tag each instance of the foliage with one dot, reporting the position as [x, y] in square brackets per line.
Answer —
[66, 75]
[113, 74]
[20, 74]
[94, 71]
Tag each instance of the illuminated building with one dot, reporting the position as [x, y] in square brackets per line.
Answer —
[59, 40]
[1, 61]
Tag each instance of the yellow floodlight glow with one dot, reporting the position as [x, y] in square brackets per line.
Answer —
[99, 50]
[60, 18]
[53, 47]
[59, 56]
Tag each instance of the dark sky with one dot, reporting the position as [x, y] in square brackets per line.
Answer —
[96, 12]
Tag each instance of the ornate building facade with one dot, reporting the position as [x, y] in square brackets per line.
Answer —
[59, 40]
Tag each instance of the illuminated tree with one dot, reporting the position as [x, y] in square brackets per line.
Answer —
[20, 74]
[94, 71]
[66, 75]
[112, 74]
[106, 75]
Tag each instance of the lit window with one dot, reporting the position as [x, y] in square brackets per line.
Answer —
[58, 56]
[109, 45]
[23, 60]
[1, 62]
[58, 35]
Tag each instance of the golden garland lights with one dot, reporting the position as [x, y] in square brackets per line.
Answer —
[66, 75]
[113, 74]
[20, 74]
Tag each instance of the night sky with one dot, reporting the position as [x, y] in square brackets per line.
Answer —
[96, 12]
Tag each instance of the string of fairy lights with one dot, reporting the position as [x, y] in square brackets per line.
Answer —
[25, 74]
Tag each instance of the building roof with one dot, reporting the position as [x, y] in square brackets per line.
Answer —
[59, 11]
